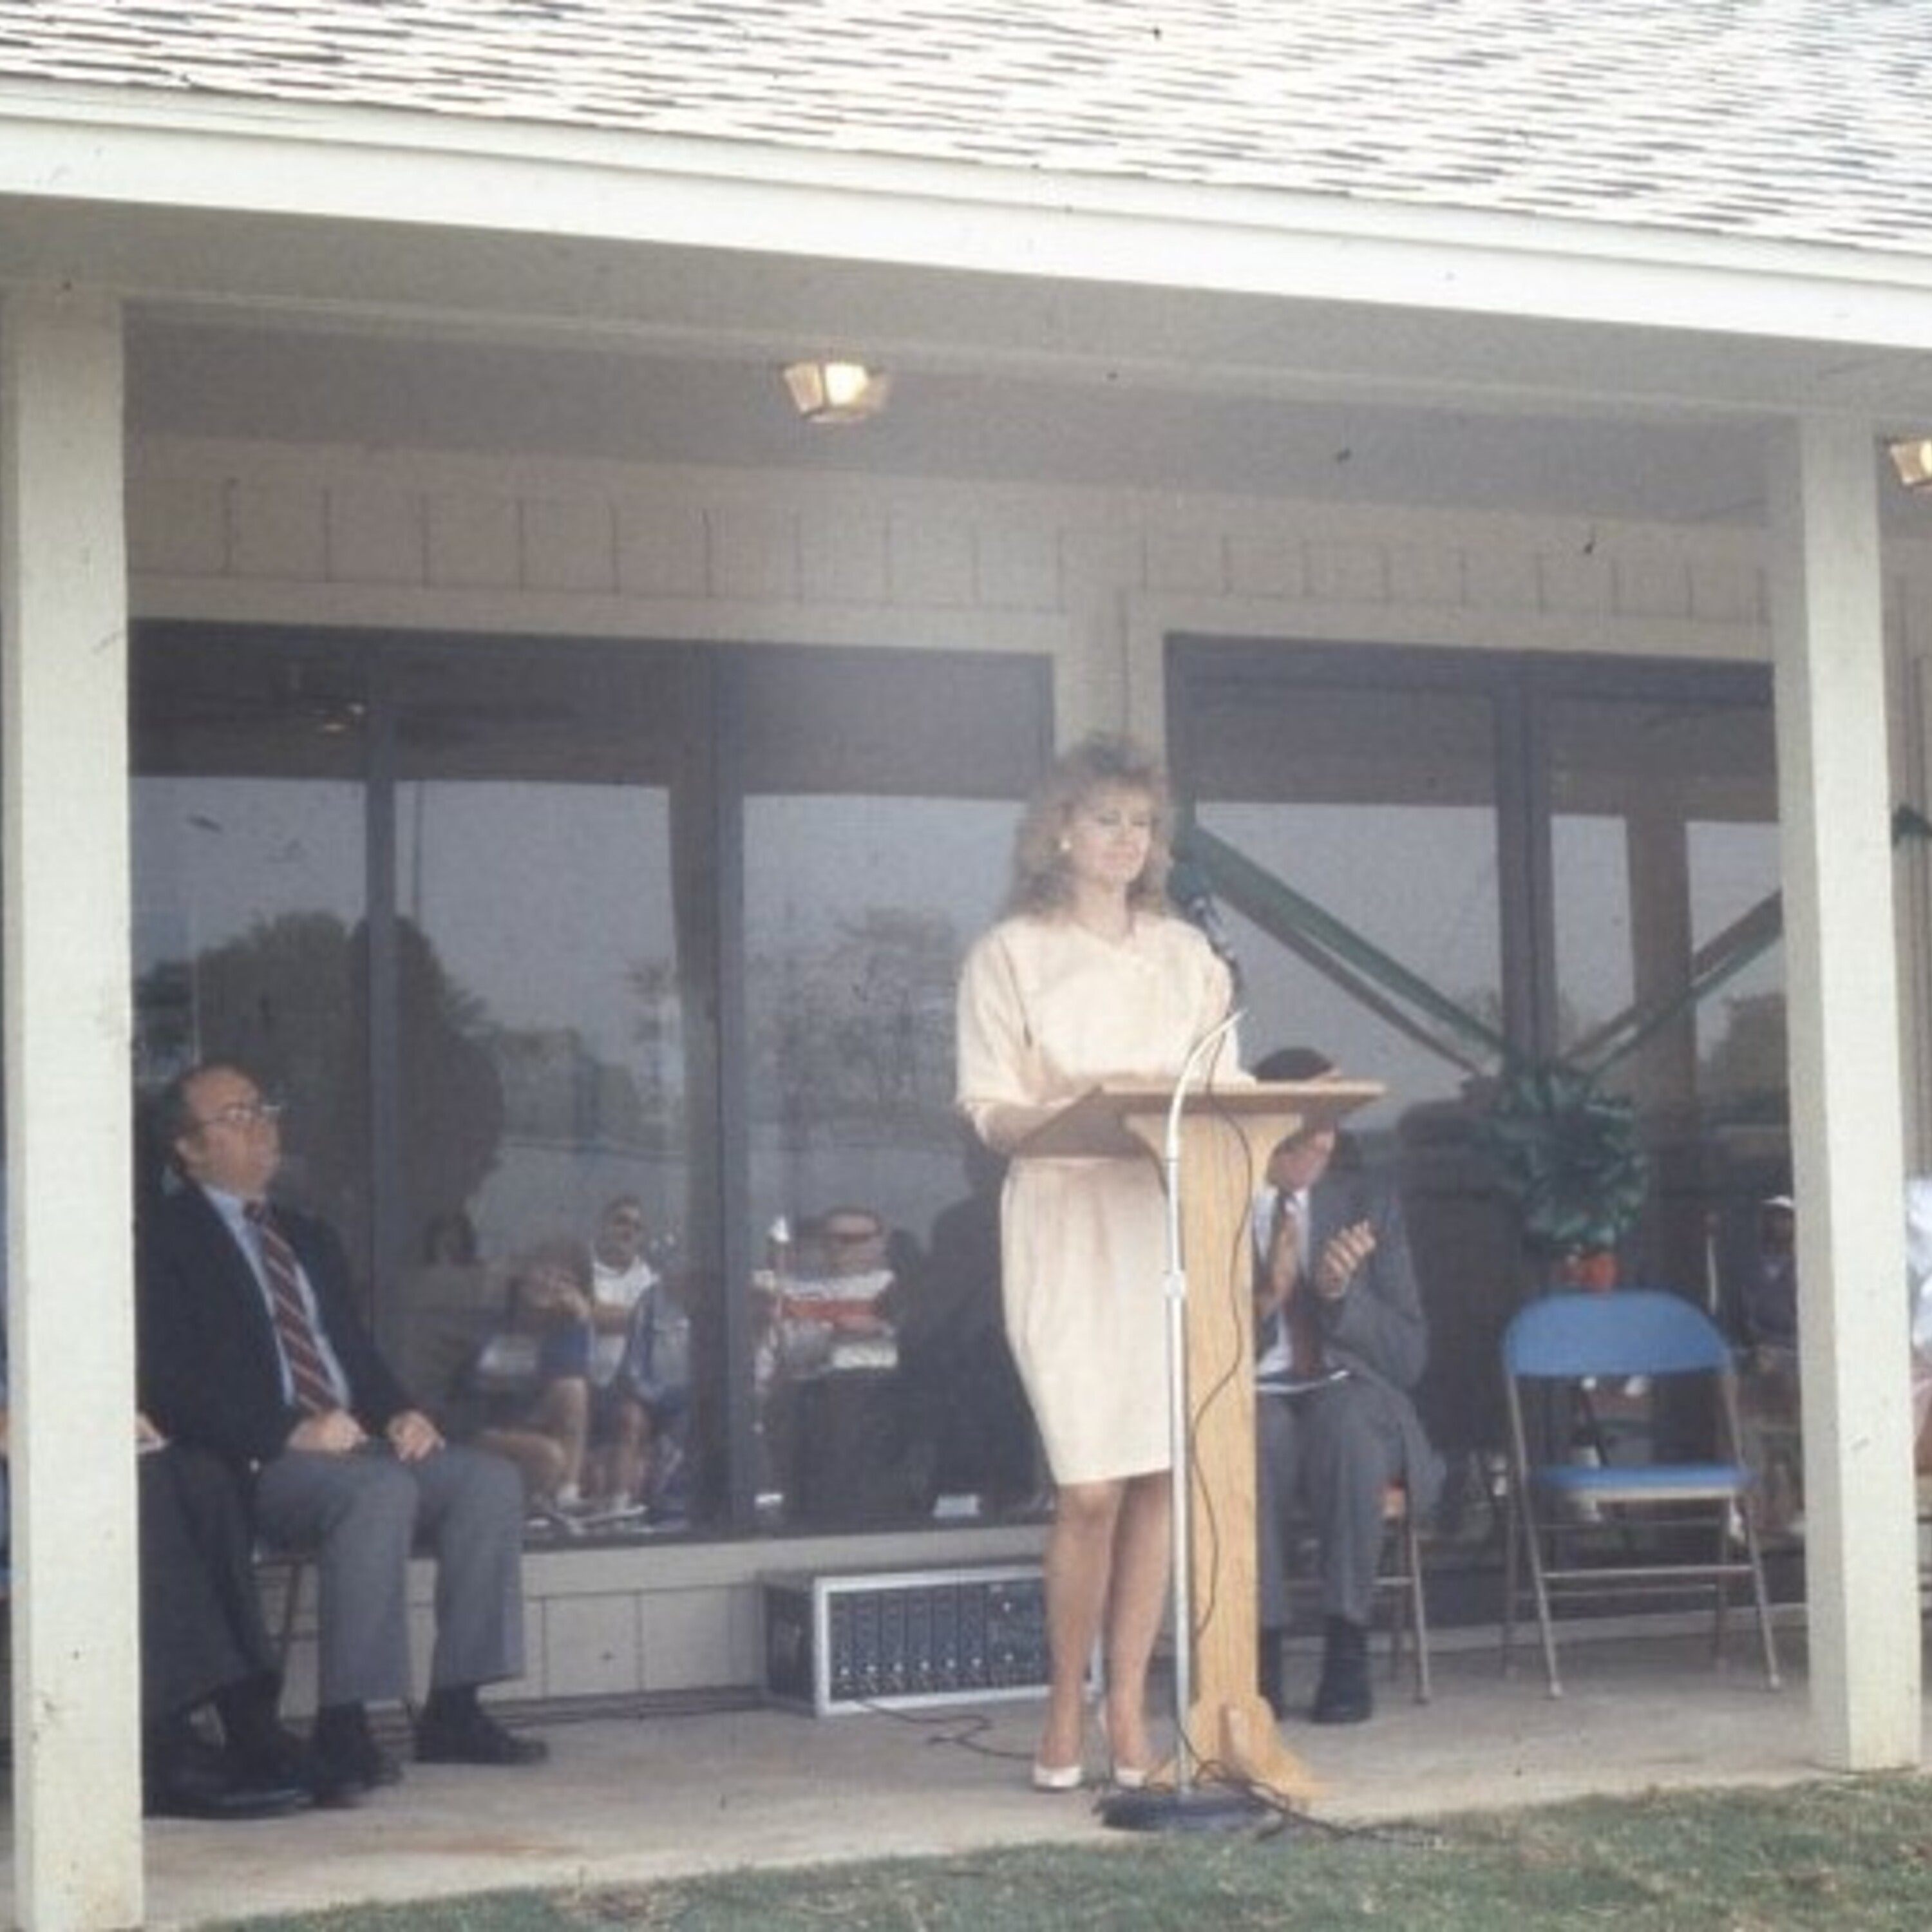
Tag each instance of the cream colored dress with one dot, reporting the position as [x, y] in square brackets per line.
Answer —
[1047, 1009]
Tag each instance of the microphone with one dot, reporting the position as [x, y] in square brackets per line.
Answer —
[1187, 886]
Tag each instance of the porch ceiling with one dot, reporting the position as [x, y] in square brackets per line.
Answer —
[339, 331]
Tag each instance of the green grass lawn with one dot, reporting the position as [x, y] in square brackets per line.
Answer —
[1852, 1855]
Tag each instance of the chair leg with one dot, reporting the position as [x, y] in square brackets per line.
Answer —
[296, 1570]
[1526, 1543]
[1512, 1557]
[1720, 1615]
[1774, 1677]
[1418, 1605]
[1399, 1571]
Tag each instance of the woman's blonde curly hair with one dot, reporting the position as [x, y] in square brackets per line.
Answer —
[1102, 761]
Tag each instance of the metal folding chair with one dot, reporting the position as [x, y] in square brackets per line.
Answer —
[1604, 1528]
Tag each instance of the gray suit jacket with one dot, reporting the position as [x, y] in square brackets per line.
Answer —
[1378, 1330]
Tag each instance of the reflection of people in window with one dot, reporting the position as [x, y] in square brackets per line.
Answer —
[537, 1369]
[652, 1392]
[837, 1311]
[1768, 1301]
[832, 1425]
[1770, 1399]
[622, 1279]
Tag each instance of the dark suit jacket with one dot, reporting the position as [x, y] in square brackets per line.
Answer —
[210, 1372]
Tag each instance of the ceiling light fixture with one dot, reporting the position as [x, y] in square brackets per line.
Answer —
[1912, 458]
[832, 392]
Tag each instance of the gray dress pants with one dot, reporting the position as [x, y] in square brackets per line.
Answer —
[1324, 1458]
[361, 1515]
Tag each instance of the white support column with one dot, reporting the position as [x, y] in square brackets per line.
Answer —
[1841, 981]
[64, 621]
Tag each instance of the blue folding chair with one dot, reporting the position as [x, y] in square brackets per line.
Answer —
[1607, 1529]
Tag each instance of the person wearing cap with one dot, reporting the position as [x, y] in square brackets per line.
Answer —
[1340, 1341]
[1769, 1302]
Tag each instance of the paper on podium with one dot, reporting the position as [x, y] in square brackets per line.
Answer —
[1115, 1119]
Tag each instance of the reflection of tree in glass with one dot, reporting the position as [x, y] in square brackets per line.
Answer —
[859, 1035]
[659, 1032]
[557, 1092]
[289, 999]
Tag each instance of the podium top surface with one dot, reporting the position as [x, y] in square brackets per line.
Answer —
[1118, 1118]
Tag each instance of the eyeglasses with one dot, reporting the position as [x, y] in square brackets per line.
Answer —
[853, 1235]
[630, 1223]
[241, 1113]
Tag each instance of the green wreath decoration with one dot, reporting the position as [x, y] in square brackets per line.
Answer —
[1569, 1157]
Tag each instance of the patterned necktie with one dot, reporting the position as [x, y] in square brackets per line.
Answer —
[315, 1389]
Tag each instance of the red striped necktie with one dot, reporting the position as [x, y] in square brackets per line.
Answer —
[315, 1389]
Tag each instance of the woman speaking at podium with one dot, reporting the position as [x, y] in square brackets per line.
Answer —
[1089, 978]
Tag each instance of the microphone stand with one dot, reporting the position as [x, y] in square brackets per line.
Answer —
[1186, 1807]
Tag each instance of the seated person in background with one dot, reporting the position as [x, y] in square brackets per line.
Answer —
[652, 1392]
[204, 1645]
[203, 1642]
[834, 1425]
[1770, 1401]
[537, 1367]
[251, 1346]
[1341, 1340]
[620, 1428]
[1767, 1300]
[839, 1310]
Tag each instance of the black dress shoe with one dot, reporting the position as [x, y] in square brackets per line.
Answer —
[193, 1793]
[343, 1760]
[284, 1759]
[339, 1773]
[1343, 1694]
[473, 1737]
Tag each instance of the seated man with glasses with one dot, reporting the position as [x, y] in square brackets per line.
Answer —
[834, 1426]
[251, 1347]
[838, 1312]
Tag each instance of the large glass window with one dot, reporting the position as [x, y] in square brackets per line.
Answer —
[880, 803]
[550, 945]
[249, 842]
[1664, 883]
[1383, 815]
[1432, 861]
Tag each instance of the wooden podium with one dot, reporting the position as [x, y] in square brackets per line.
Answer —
[1226, 1135]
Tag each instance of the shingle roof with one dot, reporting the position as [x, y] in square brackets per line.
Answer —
[1803, 120]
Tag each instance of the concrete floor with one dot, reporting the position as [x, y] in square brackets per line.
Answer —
[629, 1800]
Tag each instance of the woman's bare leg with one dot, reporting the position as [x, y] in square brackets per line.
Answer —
[1079, 1558]
[1135, 1605]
